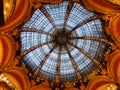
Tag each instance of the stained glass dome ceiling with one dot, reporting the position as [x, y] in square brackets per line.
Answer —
[63, 42]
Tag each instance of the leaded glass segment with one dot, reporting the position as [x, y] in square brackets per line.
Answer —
[61, 28]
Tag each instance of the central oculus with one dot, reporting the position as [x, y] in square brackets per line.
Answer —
[61, 37]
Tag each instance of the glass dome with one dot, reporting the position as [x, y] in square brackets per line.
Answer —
[63, 42]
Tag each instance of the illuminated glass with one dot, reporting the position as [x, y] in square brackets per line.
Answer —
[39, 21]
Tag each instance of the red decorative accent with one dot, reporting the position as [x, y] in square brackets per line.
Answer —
[106, 4]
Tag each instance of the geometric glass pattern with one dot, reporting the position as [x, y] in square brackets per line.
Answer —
[63, 41]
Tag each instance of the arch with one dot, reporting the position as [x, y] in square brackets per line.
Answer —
[113, 66]
[7, 51]
[101, 6]
[20, 15]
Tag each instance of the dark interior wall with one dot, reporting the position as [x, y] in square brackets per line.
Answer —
[1, 13]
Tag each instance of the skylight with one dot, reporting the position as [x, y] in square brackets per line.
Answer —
[70, 38]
